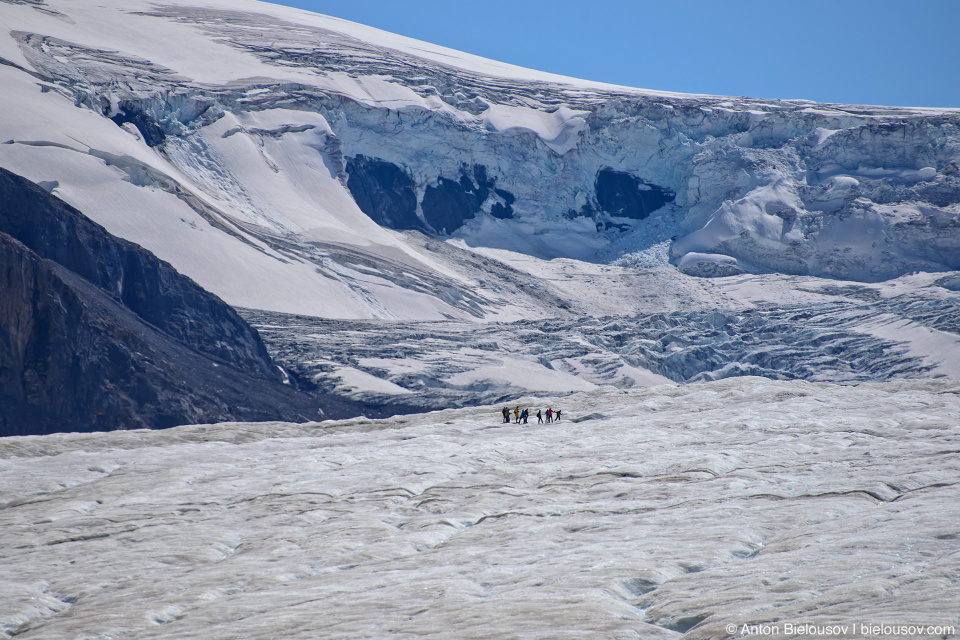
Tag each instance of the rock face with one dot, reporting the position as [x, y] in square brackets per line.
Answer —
[384, 192]
[623, 195]
[96, 333]
[150, 288]
[449, 203]
[387, 193]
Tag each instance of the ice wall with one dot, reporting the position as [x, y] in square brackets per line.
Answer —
[780, 187]
[541, 166]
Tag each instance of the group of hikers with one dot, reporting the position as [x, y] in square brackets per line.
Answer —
[520, 416]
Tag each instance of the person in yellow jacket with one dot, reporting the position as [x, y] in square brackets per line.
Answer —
[516, 414]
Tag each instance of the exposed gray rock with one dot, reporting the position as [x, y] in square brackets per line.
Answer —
[384, 192]
[149, 287]
[97, 334]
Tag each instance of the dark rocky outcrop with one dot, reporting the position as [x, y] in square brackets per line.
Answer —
[149, 287]
[503, 210]
[449, 203]
[96, 333]
[151, 131]
[73, 358]
[624, 195]
[385, 192]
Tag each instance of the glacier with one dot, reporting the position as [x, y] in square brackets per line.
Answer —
[292, 145]
[300, 165]
[748, 311]
[677, 511]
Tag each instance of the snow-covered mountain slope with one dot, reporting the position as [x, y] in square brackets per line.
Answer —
[672, 512]
[299, 165]
[272, 155]
[97, 334]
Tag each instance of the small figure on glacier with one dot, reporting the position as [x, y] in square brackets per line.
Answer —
[525, 415]
[539, 417]
[549, 415]
[506, 415]
[556, 415]
[516, 413]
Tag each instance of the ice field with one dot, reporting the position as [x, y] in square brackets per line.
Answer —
[667, 512]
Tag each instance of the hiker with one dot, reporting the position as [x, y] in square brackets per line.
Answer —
[516, 413]
[549, 415]
[556, 415]
[524, 415]
[506, 415]
[539, 417]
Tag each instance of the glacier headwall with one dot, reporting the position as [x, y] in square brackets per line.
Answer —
[537, 165]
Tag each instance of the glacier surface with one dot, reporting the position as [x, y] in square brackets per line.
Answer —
[668, 512]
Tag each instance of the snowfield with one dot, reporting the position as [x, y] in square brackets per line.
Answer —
[668, 512]
[531, 225]
[293, 162]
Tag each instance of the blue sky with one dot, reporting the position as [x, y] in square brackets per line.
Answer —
[882, 52]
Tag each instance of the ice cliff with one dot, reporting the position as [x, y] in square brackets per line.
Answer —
[342, 118]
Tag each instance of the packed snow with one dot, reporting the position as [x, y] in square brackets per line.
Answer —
[234, 124]
[658, 513]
